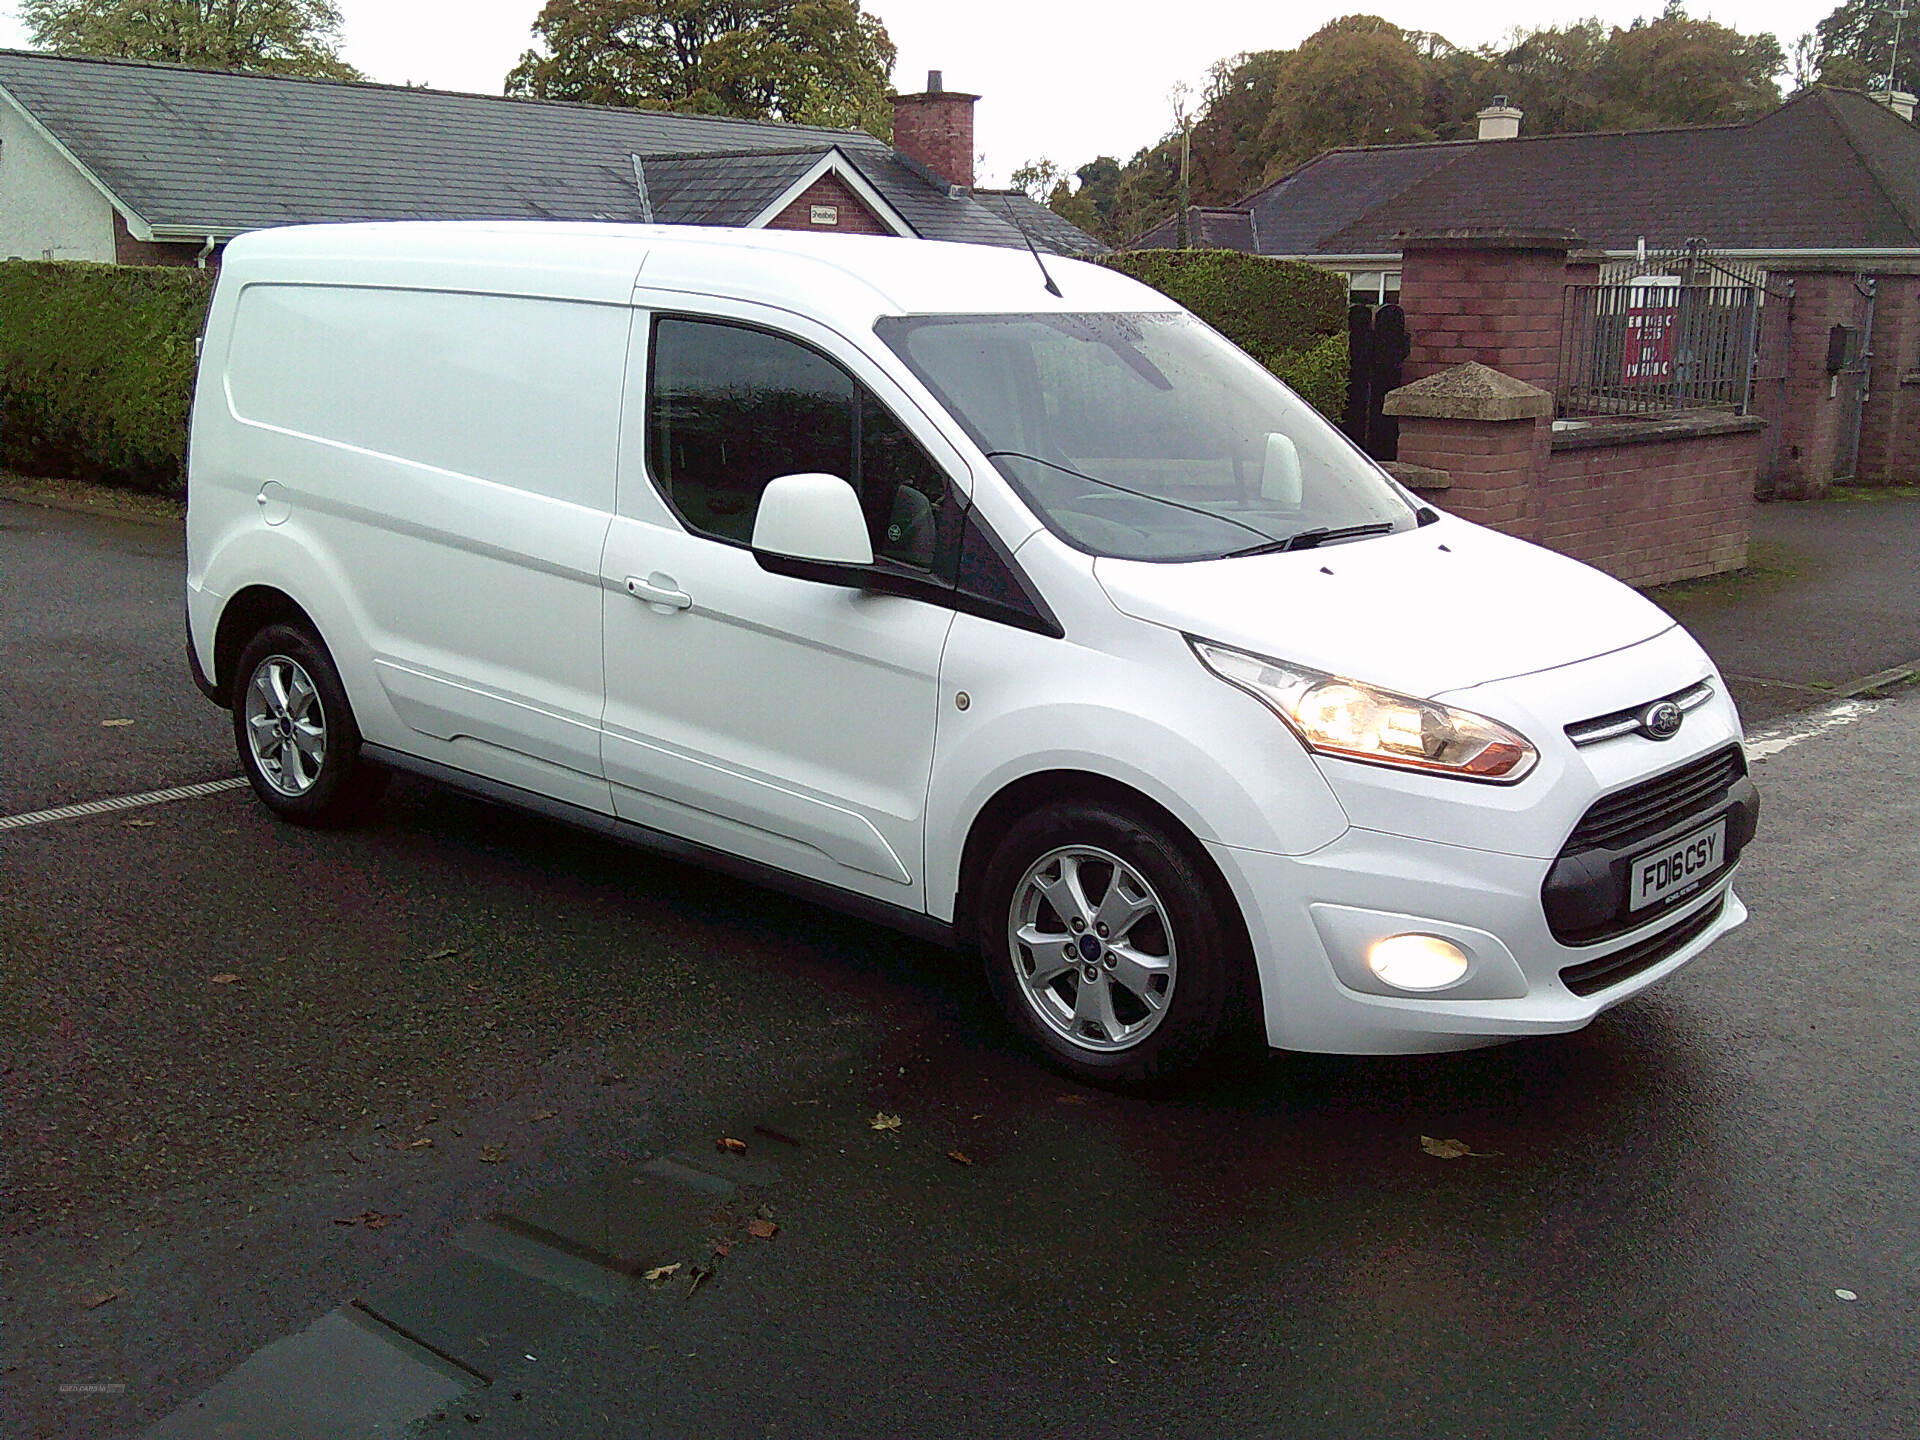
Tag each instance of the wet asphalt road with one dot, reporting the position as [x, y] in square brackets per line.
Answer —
[1647, 1241]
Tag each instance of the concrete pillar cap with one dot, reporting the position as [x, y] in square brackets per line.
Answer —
[1470, 392]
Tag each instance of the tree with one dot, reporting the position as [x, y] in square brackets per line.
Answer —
[1355, 81]
[1227, 156]
[817, 62]
[1854, 46]
[1677, 71]
[271, 37]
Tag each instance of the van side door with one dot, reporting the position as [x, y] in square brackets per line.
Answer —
[785, 720]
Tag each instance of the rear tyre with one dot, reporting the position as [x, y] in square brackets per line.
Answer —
[295, 732]
[1105, 945]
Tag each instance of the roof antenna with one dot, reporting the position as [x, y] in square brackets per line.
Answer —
[1018, 224]
[640, 184]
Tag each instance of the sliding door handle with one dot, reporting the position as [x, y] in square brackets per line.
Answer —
[658, 591]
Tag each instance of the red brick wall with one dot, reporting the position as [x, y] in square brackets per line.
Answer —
[937, 130]
[1499, 306]
[1490, 465]
[1646, 513]
[1890, 422]
[1654, 512]
[1810, 410]
[129, 251]
[852, 217]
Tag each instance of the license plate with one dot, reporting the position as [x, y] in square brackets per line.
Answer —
[1676, 866]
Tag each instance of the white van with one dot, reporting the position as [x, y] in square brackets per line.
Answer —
[1016, 609]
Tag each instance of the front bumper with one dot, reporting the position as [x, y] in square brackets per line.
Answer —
[1312, 917]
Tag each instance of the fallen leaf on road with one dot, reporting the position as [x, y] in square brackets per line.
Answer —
[762, 1229]
[730, 1145]
[1072, 1099]
[884, 1121]
[141, 824]
[425, 1142]
[114, 724]
[447, 954]
[372, 1219]
[227, 979]
[492, 1154]
[959, 1157]
[1448, 1149]
[765, 1212]
[97, 1298]
[722, 1249]
[660, 1274]
[543, 1114]
[696, 1277]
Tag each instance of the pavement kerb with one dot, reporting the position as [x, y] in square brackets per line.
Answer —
[27, 495]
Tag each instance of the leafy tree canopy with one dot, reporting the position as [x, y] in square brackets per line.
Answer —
[1361, 80]
[1855, 46]
[817, 62]
[272, 37]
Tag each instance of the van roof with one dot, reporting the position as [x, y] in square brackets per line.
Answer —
[850, 279]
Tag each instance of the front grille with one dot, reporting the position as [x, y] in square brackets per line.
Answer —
[1645, 809]
[1590, 977]
[1626, 722]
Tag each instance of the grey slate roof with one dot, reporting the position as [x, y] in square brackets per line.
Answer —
[198, 150]
[1830, 170]
[727, 187]
[1049, 231]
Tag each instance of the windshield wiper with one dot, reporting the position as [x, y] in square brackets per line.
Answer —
[1141, 494]
[1319, 535]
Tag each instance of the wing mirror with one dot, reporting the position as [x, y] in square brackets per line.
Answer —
[812, 528]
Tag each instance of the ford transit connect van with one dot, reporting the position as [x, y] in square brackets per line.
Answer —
[1019, 610]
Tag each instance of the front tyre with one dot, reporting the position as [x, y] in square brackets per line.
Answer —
[1105, 945]
[295, 732]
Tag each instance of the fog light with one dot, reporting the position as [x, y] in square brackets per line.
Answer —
[1417, 962]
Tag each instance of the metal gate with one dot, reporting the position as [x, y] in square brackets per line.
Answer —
[1850, 364]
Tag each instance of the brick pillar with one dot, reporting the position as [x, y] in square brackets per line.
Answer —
[935, 129]
[1890, 426]
[1811, 405]
[1483, 440]
[1491, 299]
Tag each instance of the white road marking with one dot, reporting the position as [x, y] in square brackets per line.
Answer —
[120, 802]
[1769, 743]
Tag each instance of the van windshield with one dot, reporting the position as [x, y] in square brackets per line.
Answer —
[1147, 436]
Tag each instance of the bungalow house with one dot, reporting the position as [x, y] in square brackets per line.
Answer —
[146, 164]
[1820, 198]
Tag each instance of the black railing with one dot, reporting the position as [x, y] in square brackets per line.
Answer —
[1646, 342]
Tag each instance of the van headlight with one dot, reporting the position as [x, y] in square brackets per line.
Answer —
[1363, 722]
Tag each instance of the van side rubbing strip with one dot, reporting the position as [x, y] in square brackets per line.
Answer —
[848, 902]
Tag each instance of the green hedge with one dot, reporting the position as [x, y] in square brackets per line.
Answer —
[1290, 317]
[96, 370]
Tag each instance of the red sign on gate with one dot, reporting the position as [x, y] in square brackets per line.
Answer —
[1649, 348]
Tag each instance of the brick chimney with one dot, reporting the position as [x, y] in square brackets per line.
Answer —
[1500, 121]
[935, 129]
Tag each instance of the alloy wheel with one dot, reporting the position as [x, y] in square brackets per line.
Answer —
[1092, 948]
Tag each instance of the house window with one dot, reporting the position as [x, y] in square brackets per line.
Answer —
[1373, 287]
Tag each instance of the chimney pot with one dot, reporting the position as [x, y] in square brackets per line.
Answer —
[934, 87]
[1901, 102]
[1499, 121]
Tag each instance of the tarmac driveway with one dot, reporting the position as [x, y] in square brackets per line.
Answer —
[226, 1042]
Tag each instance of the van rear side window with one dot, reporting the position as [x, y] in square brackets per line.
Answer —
[522, 392]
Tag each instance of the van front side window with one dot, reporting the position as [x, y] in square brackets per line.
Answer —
[730, 408]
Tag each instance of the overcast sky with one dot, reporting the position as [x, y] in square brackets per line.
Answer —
[1064, 80]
